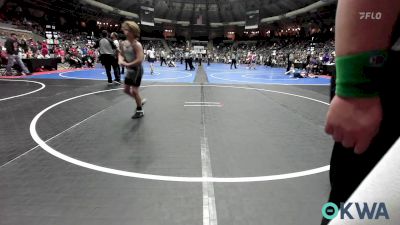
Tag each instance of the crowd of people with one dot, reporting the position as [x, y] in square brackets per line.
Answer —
[305, 54]
[77, 51]
[72, 55]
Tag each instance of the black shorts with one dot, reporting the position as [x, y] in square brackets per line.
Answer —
[134, 77]
[131, 82]
[152, 60]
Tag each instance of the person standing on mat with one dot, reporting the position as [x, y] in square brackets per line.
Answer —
[200, 59]
[233, 57]
[181, 57]
[192, 55]
[108, 58]
[114, 38]
[151, 54]
[253, 60]
[290, 58]
[132, 56]
[162, 58]
[363, 117]
[187, 56]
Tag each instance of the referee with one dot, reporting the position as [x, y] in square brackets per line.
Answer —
[363, 117]
[108, 52]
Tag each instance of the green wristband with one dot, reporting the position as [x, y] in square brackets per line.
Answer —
[357, 75]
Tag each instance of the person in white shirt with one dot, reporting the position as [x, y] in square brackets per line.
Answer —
[114, 37]
[187, 58]
[40, 55]
[151, 54]
[253, 60]
[21, 53]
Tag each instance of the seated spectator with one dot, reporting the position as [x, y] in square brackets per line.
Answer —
[325, 58]
[3, 55]
[22, 54]
[62, 55]
[39, 55]
[45, 51]
[75, 61]
[29, 54]
[88, 61]
[56, 52]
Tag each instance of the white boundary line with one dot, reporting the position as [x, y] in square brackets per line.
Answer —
[155, 73]
[77, 162]
[28, 81]
[213, 75]
[78, 78]
[75, 125]
[209, 208]
[249, 76]
[82, 78]
[239, 68]
[202, 105]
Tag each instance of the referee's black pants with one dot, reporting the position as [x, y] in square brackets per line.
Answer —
[110, 61]
[347, 169]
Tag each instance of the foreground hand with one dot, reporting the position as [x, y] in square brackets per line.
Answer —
[354, 122]
[122, 63]
[120, 59]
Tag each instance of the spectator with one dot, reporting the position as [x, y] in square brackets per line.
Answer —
[12, 52]
[45, 51]
[39, 55]
[114, 37]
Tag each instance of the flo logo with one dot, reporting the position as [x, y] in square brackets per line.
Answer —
[370, 15]
[365, 212]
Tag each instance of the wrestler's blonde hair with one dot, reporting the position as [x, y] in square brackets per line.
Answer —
[132, 27]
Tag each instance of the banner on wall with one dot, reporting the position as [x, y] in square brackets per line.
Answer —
[252, 19]
[147, 16]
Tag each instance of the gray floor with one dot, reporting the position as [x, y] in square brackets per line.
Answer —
[255, 133]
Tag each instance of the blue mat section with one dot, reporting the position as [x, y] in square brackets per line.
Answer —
[222, 74]
[161, 74]
[217, 74]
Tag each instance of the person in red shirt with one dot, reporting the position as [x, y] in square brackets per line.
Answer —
[57, 52]
[45, 51]
[44, 44]
[62, 55]
[91, 53]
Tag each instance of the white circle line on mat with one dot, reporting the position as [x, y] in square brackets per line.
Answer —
[145, 79]
[80, 163]
[252, 76]
[28, 81]
[213, 75]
